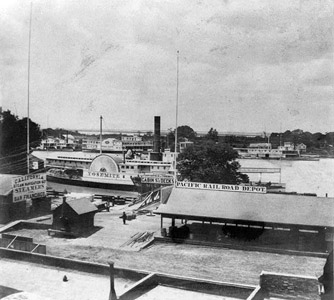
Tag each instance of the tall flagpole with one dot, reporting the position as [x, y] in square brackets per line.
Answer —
[100, 134]
[176, 113]
[28, 141]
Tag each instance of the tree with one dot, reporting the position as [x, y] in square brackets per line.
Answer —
[187, 132]
[13, 137]
[212, 135]
[183, 132]
[13, 142]
[212, 162]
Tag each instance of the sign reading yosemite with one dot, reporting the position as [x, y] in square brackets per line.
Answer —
[29, 187]
[221, 187]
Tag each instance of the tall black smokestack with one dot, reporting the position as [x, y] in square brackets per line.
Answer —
[156, 143]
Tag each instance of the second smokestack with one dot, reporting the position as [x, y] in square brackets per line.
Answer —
[156, 142]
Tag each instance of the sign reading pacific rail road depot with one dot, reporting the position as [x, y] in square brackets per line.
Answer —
[222, 187]
[29, 187]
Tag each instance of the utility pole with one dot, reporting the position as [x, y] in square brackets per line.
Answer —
[28, 129]
[176, 113]
[100, 134]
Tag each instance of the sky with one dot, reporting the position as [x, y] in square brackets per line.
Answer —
[244, 65]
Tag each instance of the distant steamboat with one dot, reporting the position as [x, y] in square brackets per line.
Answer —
[265, 150]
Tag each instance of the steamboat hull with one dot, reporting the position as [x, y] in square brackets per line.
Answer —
[92, 184]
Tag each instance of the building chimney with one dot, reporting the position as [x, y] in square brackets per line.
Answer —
[62, 207]
[112, 293]
[156, 142]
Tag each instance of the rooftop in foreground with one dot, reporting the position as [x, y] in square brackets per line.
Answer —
[48, 283]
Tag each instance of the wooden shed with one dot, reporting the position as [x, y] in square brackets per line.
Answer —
[74, 216]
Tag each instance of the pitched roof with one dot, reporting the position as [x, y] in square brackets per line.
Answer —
[256, 207]
[6, 183]
[82, 206]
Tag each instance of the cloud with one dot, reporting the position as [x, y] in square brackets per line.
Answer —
[238, 61]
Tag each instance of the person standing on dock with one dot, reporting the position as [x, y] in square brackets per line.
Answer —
[124, 216]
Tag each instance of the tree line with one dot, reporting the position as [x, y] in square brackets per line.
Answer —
[211, 158]
[317, 143]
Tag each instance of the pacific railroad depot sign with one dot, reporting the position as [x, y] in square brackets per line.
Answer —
[29, 187]
[222, 187]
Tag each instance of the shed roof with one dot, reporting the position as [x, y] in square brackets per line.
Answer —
[82, 206]
[6, 183]
[254, 207]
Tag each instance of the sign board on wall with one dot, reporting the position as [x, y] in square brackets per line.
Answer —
[157, 180]
[221, 187]
[29, 187]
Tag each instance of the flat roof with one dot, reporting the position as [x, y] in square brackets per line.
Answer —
[254, 207]
[46, 282]
[162, 292]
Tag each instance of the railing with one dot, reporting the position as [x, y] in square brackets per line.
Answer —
[148, 162]
[21, 243]
[259, 170]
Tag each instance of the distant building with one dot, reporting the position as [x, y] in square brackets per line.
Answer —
[288, 146]
[184, 145]
[301, 148]
[69, 139]
[49, 142]
[54, 143]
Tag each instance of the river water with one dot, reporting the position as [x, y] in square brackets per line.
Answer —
[300, 176]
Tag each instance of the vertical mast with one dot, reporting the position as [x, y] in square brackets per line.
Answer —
[100, 134]
[28, 141]
[176, 112]
[280, 158]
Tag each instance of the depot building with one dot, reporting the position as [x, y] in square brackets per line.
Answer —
[235, 214]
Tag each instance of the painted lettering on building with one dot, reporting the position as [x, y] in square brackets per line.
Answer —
[221, 187]
[29, 187]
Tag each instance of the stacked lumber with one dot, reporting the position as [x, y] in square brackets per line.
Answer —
[139, 241]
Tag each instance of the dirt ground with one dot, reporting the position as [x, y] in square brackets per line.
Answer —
[218, 264]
